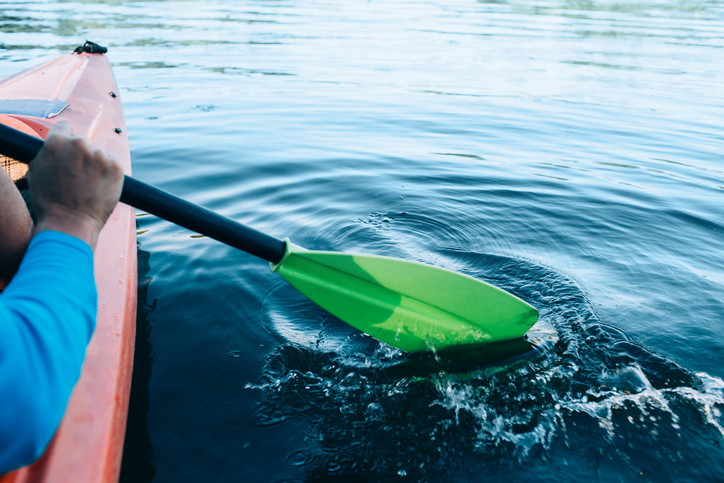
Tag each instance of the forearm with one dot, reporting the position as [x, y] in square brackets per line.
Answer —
[47, 316]
[16, 230]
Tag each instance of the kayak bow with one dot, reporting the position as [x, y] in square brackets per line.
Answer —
[81, 89]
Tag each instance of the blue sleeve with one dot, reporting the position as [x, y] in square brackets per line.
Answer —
[47, 317]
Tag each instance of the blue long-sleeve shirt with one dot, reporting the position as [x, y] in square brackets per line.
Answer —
[47, 317]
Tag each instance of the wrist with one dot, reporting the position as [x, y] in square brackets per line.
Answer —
[83, 228]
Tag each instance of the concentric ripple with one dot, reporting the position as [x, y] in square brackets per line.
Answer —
[575, 385]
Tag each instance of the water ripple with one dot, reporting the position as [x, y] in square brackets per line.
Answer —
[567, 151]
[423, 414]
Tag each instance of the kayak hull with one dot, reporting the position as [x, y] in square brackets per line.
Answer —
[88, 445]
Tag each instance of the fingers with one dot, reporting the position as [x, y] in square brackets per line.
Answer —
[74, 185]
[109, 172]
[61, 136]
[78, 154]
[61, 144]
[114, 166]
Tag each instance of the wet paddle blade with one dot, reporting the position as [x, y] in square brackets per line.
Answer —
[408, 305]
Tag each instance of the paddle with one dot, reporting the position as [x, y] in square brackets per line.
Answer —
[406, 304]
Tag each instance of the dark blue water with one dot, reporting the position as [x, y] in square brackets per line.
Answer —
[569, 152]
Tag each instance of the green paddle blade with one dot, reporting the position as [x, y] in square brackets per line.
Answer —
[408, 305]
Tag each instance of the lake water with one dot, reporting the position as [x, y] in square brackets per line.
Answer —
[568, 151]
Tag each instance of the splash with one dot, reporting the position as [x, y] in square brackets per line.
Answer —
[576, 385]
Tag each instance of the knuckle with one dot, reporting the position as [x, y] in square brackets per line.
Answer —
[54, 142]
[78, 143]
[108, 163]
[112, 163]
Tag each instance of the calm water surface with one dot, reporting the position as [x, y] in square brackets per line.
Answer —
[569, 152]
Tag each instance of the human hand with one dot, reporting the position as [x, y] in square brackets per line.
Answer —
[74, 186]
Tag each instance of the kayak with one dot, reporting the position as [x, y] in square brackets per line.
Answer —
[80, 88]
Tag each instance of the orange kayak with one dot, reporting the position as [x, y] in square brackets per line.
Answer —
[81, 89]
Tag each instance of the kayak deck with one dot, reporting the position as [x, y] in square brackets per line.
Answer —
[81, 89]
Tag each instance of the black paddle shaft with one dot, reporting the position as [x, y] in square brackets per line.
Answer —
[24, 148]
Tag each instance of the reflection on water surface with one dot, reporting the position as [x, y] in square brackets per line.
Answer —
[566, 151]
